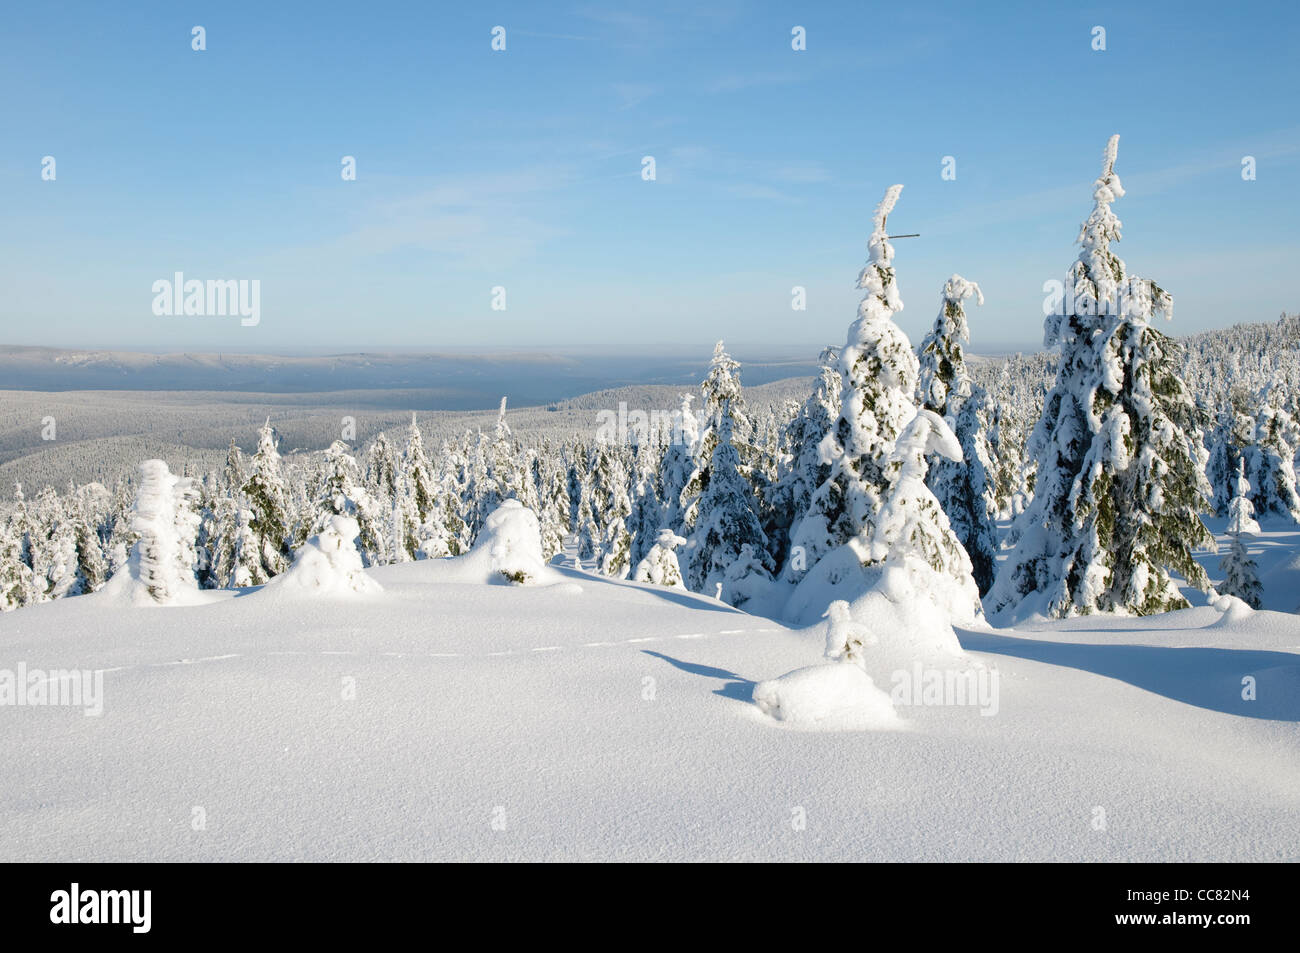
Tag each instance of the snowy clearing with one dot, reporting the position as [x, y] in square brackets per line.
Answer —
[598, 719]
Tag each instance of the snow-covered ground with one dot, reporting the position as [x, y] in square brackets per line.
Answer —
[585, 718]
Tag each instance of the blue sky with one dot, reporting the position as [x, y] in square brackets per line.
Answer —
[522, 168]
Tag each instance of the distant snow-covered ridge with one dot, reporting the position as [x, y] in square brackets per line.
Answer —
[461, 380]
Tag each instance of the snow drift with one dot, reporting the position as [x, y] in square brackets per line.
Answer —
[831, 696]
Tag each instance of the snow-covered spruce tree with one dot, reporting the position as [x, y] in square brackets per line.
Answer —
[503, 476]
[341, 493]
[574, 468]
[427, 503]
[54, 547]
[482, 492]
[15, 576]
[416, 483]
[677, 466]
[382, 477]
[527, 488]
[381, 469]
[722, 395]
[1120, 479]
[121, 537]
[1228, 443]
[965, 488]
[943, 379]
[161, 562]
[875, 500]
[877, 379]
[17, 580]
[727, 542]
[911, 528]
[92, 567]
[1272, 471]
[1240, 573]
[1010, 421]
[225, 519]
[803, 469]
[266, 497]
[186, 493]
[449, 489]
[610, 473]
[660, 564]
[643, 522]
[586, 528]
[555, 505]
[425, 527]
[1241, 513]
[208, 545]
[245, 567]
[722, 391]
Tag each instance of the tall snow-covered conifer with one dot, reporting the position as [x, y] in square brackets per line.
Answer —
[804, 469]
[963, 487]
[266, 497]
[1120, 479]
[875, 500]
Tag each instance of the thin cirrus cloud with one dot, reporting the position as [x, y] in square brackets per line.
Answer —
[470, 221]
[736, 82]
[760, 176]
[634, 94]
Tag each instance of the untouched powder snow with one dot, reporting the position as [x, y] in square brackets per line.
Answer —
[600, 719]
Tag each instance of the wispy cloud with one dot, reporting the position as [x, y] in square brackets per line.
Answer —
[552, 36]
[752, 177]
[633, 94]
[735, 82]
[470, 221]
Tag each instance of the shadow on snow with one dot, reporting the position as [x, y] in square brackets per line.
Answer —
[738, 688]
[1211, 678]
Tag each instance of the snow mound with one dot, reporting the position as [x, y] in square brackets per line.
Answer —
[128, 589]
[895, 603]
[328, 564]
[512, 539]
[835, 696]
[836, 576]
[1234, 610]
[905, 618]
[508, 551]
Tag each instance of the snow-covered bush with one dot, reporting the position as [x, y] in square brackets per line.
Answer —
[660, 564]
[160, 569]
[328, 564]
[512, 539]
[846, 640]
[834, 696]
